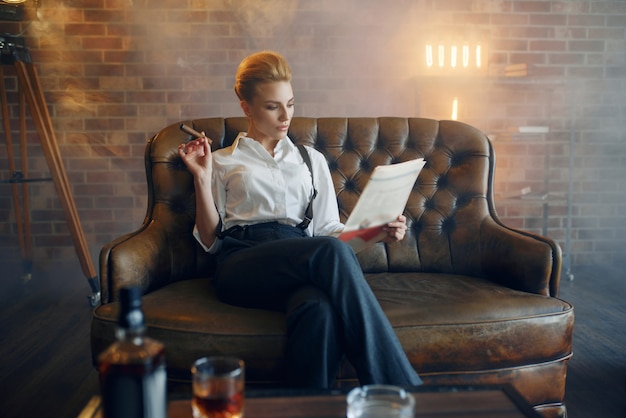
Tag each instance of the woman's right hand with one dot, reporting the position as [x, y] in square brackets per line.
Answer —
[196, 155]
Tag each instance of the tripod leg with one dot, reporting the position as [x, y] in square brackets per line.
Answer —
[27, 264]
[29, 81]
[21, 232]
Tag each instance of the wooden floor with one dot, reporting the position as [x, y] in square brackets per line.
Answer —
[45, 364]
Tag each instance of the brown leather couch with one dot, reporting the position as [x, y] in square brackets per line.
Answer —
[472, 301]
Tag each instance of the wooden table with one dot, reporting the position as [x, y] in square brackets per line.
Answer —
[440, 402]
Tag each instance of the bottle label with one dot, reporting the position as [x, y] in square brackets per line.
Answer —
[132, 396]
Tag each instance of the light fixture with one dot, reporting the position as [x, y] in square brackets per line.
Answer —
[452, 51]
[455, 109]
[13, 1]
[451, 56]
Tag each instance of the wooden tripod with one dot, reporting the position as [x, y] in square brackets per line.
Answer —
[31, 93]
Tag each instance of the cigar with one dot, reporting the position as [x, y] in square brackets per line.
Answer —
[186, 129]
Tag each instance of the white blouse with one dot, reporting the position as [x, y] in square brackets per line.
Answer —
[250, 187]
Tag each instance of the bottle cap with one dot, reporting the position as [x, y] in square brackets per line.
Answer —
[131, 316]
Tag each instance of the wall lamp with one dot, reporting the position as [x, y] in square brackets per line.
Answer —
[454, 58]
[453, 51]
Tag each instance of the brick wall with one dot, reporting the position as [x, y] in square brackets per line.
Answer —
[115, 71]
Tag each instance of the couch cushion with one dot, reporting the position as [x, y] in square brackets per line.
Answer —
[500, 327]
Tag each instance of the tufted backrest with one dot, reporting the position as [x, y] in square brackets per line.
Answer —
[445, 210]
[452, 223]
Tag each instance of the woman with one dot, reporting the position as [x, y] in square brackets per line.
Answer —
[251, 199]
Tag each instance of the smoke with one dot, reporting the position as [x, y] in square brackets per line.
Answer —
[121, 73]
[264, 19]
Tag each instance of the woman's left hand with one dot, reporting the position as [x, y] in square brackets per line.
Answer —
[396, 230]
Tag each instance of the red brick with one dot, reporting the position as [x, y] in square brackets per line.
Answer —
[118, 225]
[530, 58]
[127, 164]
[61, 14]
[586, 20]
[452, 5]
[145, 70]
[75, 109]
[197, 96]
[532, 6]
[162, 83]
[98, 214]
[616, 20]
[568, 6]
[586, 46]
[85, 29]
[473, 18]
[557, 46]
[62, 239]
[114, 201]
[114, 83]
[151, 110]
[567, 59]
[115, 4]
[94, 190]
[81, 4]
[97, 70]
[105, 110]
[608, 7]
[607, 33]
[548, 19]
[617, 72]
[509, 45]
[77, 56]
[145, 97]
[106, 177]
[102, 43]
[101, 15]
[529, 32]
[509, 19]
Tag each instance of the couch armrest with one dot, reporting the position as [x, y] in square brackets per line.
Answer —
[520, 260]
[151, 257]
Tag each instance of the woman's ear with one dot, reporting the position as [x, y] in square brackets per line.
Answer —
[245, 108]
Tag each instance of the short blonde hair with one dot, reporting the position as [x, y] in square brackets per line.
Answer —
[260, 67]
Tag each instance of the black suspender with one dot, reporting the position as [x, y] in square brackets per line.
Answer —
[308, 214]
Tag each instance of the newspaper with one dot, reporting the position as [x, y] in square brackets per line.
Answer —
[382, 201]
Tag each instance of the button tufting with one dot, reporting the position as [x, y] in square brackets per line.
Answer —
[350, 186]
[448, 225]
[457, 159]
[463, 201]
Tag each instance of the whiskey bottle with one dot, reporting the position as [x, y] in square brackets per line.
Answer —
[133, 380]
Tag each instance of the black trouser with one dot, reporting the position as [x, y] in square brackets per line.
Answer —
[330, 308]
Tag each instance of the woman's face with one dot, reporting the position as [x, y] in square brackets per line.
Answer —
[270, 111]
